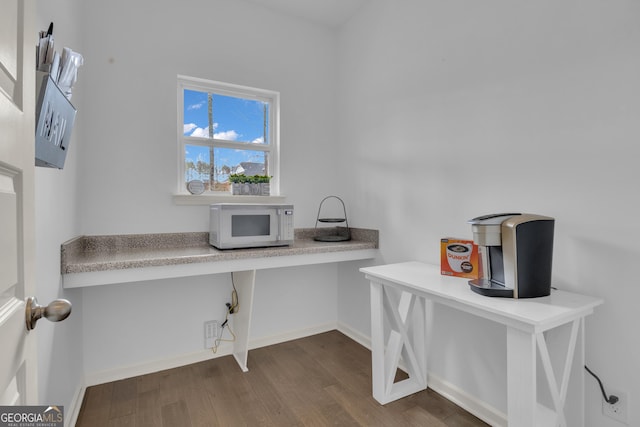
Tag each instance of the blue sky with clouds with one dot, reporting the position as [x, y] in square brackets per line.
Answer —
[234, 119]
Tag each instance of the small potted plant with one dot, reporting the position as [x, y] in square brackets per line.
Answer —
[253, 185]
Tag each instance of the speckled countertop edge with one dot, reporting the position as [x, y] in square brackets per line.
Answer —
[85, 254]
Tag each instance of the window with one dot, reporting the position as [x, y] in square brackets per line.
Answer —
[226, 129]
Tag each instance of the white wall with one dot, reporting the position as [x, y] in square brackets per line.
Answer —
[127, 166]
[133, 326]
[59, 344]
[455, 109]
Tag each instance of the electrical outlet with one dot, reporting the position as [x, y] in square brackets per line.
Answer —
[618, 410]
[210, 333]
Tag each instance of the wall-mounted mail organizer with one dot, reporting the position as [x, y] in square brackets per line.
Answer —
[55, 116]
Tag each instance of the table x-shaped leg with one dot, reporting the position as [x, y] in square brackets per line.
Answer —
[407, 342]
[559, 394]
[523, 409]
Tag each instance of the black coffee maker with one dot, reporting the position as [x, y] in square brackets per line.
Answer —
[515, 255]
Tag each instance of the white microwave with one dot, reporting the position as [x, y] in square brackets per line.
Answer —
[243, 225]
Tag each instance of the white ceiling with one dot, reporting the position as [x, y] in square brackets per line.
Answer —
[331, 13]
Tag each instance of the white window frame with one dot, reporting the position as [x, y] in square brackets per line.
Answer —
[273, 148]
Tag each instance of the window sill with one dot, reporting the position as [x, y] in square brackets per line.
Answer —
[207, 199]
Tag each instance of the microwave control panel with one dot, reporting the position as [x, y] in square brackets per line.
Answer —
[286, 223]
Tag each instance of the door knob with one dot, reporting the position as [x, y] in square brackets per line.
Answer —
[56, 311]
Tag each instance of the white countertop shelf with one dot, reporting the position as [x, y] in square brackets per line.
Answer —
[101, 260]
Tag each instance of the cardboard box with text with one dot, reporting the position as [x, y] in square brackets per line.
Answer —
[459, 258]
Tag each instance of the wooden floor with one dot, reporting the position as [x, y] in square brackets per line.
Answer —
[320, 380]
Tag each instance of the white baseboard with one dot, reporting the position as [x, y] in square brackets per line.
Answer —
[469, 403]
[123, 372]
[358, 337]
[292, 335]
[73, 410]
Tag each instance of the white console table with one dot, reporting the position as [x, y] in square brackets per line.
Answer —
[398, 298]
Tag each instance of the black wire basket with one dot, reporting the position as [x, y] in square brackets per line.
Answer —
[337, 234]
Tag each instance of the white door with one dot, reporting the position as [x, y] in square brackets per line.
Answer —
[17, 252]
